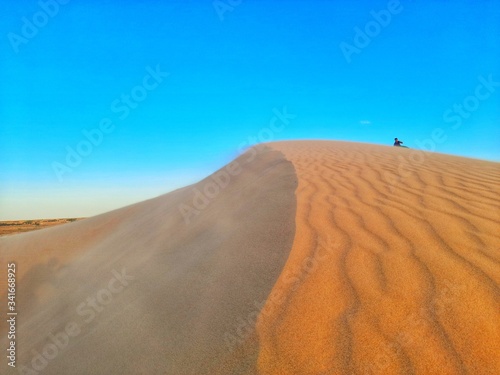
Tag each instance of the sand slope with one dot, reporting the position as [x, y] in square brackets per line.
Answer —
[179, 305]
[394, 267]
[314, 258]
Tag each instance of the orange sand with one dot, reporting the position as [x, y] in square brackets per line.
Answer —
[387, 275]
[316, 258]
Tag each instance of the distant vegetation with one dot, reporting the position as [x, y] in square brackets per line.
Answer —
[18, 226]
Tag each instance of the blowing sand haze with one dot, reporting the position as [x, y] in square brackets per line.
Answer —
[317, 258]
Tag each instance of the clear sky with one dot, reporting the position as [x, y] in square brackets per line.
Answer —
[169, 91]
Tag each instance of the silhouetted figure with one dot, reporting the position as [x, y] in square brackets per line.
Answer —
[397, 142]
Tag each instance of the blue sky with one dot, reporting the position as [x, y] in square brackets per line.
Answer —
[222, 73]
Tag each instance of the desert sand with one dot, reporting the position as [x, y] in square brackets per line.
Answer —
[307, 257]
[18, 226]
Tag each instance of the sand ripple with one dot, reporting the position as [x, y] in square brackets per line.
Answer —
[394, 269]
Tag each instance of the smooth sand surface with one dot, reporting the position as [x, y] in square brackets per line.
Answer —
[314, 257]
[193, 289]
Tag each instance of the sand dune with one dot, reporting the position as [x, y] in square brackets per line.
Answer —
[299, 258]
[394, 267]
[187, 284]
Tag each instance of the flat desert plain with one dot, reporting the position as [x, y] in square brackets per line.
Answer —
[306, 257]
[19, 226]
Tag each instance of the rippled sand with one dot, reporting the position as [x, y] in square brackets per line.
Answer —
[310, 257]
[394, 267]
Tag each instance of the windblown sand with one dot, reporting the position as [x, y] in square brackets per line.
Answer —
[310, 258]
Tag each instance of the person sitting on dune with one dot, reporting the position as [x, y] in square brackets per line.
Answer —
[397, 142]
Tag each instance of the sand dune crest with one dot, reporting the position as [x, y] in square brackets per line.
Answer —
[311, 258]
[151, 293]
